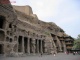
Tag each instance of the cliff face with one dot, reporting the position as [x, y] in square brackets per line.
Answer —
[22, 32]
[33, 24]
[33, 20]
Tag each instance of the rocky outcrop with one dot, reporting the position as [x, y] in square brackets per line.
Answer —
[22, 32]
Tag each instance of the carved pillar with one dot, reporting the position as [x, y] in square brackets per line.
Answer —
[41, 47]
[59, 43]
[64, 45]
[28, 46]
[33, 43]
[23, 44]
[54, 46]
[37, 46]
[17, 44]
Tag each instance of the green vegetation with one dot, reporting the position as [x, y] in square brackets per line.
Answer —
[47, 33]
[77, 43]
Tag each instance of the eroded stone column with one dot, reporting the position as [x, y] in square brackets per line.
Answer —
[28, 46]
[33, 43]
[17, 44]
[23, 44]
[59, 44]
[41, 47]
[37, 46]
[64, 45]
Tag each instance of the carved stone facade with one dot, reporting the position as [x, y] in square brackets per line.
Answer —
[22, 32]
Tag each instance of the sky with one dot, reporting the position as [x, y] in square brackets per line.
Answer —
[65, 13]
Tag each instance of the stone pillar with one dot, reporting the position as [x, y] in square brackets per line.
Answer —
[33, 46]
[17, 44]
[59, 43]
[4, 48]
[38, 46]
[23, 44]
[28, 46]
[64, 45]
[41, 47]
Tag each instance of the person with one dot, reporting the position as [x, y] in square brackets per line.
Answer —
[54, 54]
[67, 53]
[41, 54]
[76, 52]
[73, 53]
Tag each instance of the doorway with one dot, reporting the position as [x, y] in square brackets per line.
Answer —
[1, 49]
[2, 19]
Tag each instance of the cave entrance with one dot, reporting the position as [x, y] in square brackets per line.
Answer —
[39, 46]
[2, 35]
[25, 44]
[20, 44]
[2, 20]
[1, 49]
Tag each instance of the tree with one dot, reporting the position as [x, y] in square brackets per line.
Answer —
[78, 38]
[77, 43]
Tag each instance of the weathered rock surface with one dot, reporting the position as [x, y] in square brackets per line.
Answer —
[21, 32]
